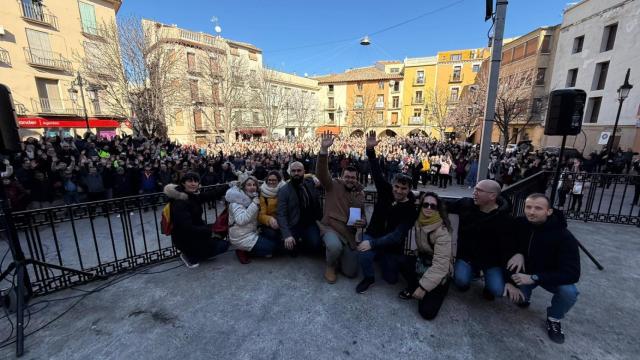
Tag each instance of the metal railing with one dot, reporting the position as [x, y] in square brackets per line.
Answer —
[54, 106]
[417, 100]
[416, 120]
[47, 59]
[455, 78]
[93, 31]
[36, 12]
[4, 57]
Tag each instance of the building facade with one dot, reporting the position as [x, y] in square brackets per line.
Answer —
[598, 41]
[42, 44]
[419, 80]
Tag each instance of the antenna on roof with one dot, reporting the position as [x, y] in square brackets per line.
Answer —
[217, 27]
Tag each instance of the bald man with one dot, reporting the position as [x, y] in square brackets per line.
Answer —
[297, 211]
[485, 238]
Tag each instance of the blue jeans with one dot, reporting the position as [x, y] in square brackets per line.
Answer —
[564, 297]
[493, 277]
[307, 236]
[263, 247]
[389, 263]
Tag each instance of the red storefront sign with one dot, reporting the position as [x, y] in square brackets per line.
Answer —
[39, 122]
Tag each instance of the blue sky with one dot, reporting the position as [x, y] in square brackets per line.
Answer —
[321, 36]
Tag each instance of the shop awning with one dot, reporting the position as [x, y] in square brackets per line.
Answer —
[43, 122]
[335, 130]
[252, 131]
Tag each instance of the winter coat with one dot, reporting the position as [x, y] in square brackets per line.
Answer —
[243, 219]
[338, 201]
[434, 247]
[550, 250]
[186, 215]
[289, 206]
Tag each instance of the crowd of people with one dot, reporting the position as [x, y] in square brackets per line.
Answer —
[513, 255]
[54, 171]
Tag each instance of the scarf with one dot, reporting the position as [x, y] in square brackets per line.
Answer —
[423, 220]
[269, 192]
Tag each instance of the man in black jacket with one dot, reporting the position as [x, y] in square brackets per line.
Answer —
[393, 216]
[485, 238]
[190, 234]
[547, 257]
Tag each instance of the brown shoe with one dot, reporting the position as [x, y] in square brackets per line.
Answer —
[330, 275]
[243, 256]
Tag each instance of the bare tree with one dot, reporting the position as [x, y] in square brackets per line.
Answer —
[270, 98]
[437, 106]
[466, 117]
[366, 112]
[304, 109]
[135, 73]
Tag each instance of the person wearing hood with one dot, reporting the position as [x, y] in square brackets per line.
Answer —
[485, 238]
[547, 257]
[244, 203]
[267, 218]
[341, 195]
[190, 234]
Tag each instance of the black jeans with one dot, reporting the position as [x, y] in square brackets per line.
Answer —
[444, 180]
[197, 251]
[430, 304]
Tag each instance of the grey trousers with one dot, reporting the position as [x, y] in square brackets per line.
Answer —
[339, 253]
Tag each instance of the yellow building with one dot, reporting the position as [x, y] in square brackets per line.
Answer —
[41, 46]
[419, 80]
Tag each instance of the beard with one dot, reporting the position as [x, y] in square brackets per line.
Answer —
[296, 179]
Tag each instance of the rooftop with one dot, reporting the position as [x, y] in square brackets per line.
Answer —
[360, 74]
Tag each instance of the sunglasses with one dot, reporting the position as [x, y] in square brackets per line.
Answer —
[431, 206]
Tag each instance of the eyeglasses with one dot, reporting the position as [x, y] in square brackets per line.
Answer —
[482, 191]
[431, 206]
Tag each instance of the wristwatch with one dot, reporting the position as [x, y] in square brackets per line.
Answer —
[535, 278]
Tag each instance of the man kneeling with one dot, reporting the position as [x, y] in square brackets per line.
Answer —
[547, 257]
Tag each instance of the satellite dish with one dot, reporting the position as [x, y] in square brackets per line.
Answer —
[365, 41]
[218, 29]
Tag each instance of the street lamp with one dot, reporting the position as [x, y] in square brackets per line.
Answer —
[339, 112]
[623, 93]
[79, 82]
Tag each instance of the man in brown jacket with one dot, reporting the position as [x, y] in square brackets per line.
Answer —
[340, 196]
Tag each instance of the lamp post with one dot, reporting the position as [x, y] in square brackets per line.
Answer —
[339, 113]
[79, 82]
[623, 93]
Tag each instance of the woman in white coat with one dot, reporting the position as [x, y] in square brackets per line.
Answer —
[244, 203]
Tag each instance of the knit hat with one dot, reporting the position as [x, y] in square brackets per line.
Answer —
[191, 175]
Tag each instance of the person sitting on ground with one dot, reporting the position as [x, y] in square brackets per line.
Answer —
[243, 202]
[547, 257]
[427, 274]
[190, 234]
[298, 210]
[340, 196]
[393, 215]
[267, 217]
[485, 238]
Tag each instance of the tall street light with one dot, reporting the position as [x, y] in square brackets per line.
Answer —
[79, 82]
[623, 93]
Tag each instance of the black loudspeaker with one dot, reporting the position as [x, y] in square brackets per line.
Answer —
[9, 137]
[566, 107]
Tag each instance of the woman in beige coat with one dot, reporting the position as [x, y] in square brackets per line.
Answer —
[427, 274]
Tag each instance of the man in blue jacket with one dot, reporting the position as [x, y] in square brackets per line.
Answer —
[547, 257]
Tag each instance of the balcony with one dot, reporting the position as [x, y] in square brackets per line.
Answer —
[35, 13]
[5, 59]
[47, 59]
[379, 105]
[94, 32]
[48, 106]
[416, 120]
[418, 82]
[417, 101]
[453, 100]
[455, 78]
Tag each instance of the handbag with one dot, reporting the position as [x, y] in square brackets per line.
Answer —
[221, 225]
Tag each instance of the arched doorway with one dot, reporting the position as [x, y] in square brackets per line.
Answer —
[357, 133]
[388, 132]
[417, 132]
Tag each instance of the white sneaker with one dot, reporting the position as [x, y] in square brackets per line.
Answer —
[186, 262]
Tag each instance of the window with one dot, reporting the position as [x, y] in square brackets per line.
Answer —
[359, 85]
[536, 106]
[418, 98]
[193, 90]
[572, 76]
[253, 56]
[49, 96]
[330, 88]
[214, 65]
[394, 118]
[197, 119]
[540, 76]
[380, 101]
[507, 56]
[88, 18]
[420, 77]
[417, 112]
[600, 77]
[179, 120]
[531, 46]
[332, 118]
[381, 85]
[454, 94]
[577, 44]
[215, 94]
[331, 103]
[457, 73]
[379, 117]
[455, 57]
[609, 37]
[255, 117]
[396, 102]
[359, 104]
[475, 68]
[593, 109]
[396, 86]
[191, 62]
[546, 44]
[395, 70]
[39, 46]
[518, 52]
[216, 118]
[234, 51]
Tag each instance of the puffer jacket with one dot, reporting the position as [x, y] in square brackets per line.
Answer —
[434, 247]
[243, 219]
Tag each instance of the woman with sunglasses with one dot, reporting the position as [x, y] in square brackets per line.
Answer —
[427, 273]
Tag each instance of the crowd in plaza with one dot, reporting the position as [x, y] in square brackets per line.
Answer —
[513, 255]
[54, 171]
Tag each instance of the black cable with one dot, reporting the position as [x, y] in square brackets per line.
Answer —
[10, 322]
